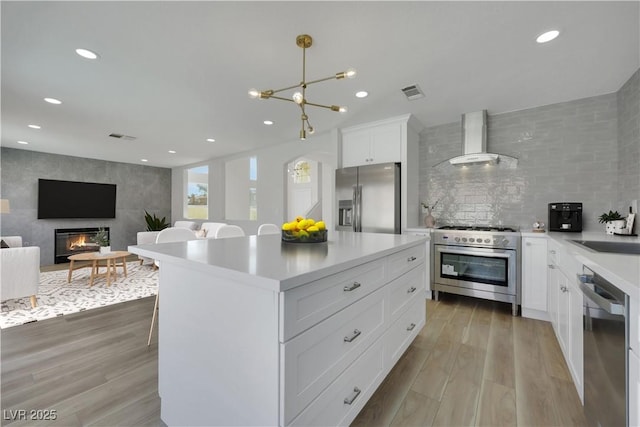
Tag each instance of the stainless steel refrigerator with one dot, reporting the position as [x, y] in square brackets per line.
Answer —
[368, 198]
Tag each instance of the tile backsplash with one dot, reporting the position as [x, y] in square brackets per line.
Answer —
[567, 152]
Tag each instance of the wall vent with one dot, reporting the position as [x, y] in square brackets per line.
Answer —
[413, 92]
[121, 136]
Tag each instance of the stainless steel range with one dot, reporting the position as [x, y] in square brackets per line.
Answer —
[481, 262]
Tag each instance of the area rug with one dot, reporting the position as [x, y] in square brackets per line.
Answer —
[56, 297]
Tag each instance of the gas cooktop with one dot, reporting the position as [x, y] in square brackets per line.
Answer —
[479, 228]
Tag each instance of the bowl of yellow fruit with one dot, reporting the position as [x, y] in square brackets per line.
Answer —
[304, 230]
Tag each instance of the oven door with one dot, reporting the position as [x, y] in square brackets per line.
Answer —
[484, 269]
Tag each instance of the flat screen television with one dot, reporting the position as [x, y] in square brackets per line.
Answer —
[70, 199]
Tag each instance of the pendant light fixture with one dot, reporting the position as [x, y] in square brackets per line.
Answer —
[303, 41]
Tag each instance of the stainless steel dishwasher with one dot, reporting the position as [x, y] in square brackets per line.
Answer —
[606, 342]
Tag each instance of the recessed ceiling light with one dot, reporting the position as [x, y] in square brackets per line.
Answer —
[362, 94]
[53, 101]
[548, 36]
[86, 53]
[211, 140]
[268, 122]
[34, 126]
[23, 142]
[172, 151]
[144, 160]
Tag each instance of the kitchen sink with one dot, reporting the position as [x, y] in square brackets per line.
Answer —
[611, 247]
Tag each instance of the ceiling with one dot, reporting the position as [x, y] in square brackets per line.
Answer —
[173, 74]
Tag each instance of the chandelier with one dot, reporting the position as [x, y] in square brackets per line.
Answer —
[299, 97]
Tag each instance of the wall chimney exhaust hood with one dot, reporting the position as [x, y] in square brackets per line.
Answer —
[474, 142]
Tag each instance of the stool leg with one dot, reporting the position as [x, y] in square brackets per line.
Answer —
[70, 271]
[124, 266]
[34, 302]
[153, 319]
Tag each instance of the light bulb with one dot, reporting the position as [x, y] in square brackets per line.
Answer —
[311, 130]
[350, 73]
[298, 98]
[303, 135]
[342, 109]
[254, 93]
[548, 36]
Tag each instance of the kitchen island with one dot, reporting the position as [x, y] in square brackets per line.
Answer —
[254, 331]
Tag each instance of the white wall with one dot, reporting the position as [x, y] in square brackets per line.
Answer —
[272, 169]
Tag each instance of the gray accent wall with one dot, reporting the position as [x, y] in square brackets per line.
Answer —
[139, 188]
[567, 152]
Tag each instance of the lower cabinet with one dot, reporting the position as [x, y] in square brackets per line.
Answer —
[565, 304]
[534, 279]
[330, 370]
[634, 389]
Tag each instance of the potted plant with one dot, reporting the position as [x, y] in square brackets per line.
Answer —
[614, 222]
[154, 223]
[102, 239]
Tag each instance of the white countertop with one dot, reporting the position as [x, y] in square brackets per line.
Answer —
[267, 262]
[621, 270]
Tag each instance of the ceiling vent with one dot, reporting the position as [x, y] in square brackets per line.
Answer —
[123, 137]
[413, 92]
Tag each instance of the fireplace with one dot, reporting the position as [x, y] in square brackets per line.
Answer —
[71, 241]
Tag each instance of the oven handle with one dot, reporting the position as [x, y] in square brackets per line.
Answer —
[491, 253]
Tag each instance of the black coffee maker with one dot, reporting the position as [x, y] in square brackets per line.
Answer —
[565, 216]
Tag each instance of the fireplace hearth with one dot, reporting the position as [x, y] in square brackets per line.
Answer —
[71, 241]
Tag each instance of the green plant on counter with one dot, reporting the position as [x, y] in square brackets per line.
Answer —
[101, 237]
[611, 216]
[154, 223]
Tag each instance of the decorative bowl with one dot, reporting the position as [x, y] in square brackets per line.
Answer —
[304, 236]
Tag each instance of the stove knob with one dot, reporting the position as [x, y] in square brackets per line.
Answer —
[457, 239]
[487, 240]
[464, 239]
[471, 239]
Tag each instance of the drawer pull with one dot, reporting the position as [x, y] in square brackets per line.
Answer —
[411, 258]
[552, 251]
[356, 334]
[564, 289]
[355, 285]
[349, 400]
[411, 290]
[410, 327]
[551, 266]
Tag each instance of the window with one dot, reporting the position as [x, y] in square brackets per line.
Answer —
[197, 200]
[241, 183]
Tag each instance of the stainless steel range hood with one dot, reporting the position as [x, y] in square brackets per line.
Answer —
[474, 141]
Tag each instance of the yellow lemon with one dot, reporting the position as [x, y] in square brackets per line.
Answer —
[299, 218]
[286, 226]
[320, 225]
[303, 234]
[293, 225]
[303, 224]
[310, 221]
[313, 229]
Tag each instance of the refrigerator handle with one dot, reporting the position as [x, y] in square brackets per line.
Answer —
[354, 208]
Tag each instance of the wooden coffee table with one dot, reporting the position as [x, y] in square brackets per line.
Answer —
[113, 259]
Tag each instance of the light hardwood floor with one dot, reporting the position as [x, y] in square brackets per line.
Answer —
[473, 364]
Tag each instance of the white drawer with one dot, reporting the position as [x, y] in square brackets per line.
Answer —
[315, 358]
[400, 335]
[404, 290]
[403, 261]
[303, 307]
[330, 408]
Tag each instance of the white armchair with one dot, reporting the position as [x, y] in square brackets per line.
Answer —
[19, 270]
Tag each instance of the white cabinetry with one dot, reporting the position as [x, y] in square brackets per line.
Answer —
[425, 232]
[565, 310]
[534, 277]
[370, 145]
[241, 345]
[634, 364]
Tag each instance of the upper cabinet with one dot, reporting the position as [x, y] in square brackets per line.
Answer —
[370, 145]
